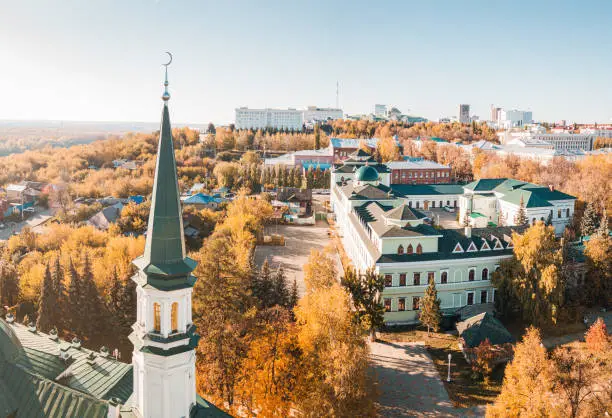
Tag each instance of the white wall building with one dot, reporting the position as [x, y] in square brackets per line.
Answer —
[567, 141]
[464, 113]
[380, 110]
[318, 114]
[268, 118]
[515, 118]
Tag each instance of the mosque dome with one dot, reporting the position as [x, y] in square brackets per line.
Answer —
[366, 173]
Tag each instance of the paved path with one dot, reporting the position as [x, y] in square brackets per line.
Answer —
[299, 240]
[409, 384]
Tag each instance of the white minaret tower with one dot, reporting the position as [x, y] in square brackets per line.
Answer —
[164, 336]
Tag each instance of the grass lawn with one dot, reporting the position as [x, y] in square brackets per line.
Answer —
[462, 390]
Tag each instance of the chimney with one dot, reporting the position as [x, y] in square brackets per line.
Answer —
[53, 334]
[468, 231]
[10, 318]
[91, 359]
[104, 352]
[32, 327]
[76, 343]
[551, 187]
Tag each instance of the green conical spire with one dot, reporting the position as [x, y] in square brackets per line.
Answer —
[164, 261]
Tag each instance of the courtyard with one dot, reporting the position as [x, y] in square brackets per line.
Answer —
[299, 240]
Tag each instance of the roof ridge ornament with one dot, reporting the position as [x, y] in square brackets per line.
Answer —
[166, 95]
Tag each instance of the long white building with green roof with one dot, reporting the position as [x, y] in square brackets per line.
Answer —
[43, 376]
[387, 226]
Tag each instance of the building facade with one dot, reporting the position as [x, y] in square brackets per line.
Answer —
[514, 118]
[419, 171]
[388, 226]
[268, 118]
[568, 141]
[318, 114]
[464, 113]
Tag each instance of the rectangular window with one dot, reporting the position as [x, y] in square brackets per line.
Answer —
[416, 302]
[431, 276]
[401, 304]
[388, 280]
[387, 305]
[483, 296]
[470, 298]
[402, 280]
[416, 279]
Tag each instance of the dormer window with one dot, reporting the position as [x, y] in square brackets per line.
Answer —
[419, 249]
[409, 250]
[458, 248]
[485, 246]
[400, 249]
[498, 245]
[472, 247]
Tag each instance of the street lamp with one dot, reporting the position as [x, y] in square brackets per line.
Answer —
[448, 379]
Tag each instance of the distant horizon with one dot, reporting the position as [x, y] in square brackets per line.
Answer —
[101, 60]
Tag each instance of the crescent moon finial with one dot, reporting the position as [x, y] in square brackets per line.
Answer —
[169, 62]
[166, 95]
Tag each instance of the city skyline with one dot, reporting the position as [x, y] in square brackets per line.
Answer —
[545, 57]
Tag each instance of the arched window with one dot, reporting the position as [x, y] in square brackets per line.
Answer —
[471, 275]
[409, 249]
[485, 274]
[174, 317]
[417, 205]
[419, 249]
[156, 318]
[410, 204]
[444, 277]
[567, 212]
[400, 249]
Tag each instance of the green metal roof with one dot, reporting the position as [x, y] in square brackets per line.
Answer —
[426, 189]
[164, 260]
[530, 199]
[366, 173]
[484, 184]
[476, 215]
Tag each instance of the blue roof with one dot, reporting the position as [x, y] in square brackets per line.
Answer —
[138, 199]
[200, 198]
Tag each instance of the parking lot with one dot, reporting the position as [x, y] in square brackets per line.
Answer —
[441, 217]
[299, 240]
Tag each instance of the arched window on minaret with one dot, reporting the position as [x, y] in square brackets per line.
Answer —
[156, 318]
[174, 317]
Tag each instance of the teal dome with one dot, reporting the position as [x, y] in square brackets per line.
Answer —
[367, 173]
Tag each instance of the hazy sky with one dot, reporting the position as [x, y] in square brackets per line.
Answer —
[100, 59]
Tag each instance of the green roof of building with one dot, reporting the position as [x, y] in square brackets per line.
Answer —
[427, 189]
[484, 184]
[366, 173]
[478, 328]
[476, 215]
[164, 260]
[530, 199]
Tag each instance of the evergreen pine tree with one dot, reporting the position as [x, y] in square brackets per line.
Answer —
[293, 295]
[128, 304]
[75, 317]
[589, 222]
[263, 287]
[430, 308]
[113, 295]
[521, 216]
[280, 291]
[60, 292]
[47, 303]
[549, 219]
[9, 284]
[93, 310]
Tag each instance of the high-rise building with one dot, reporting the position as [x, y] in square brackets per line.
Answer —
[495, 113]
[514, 118]
[464, 113]
[380, 110]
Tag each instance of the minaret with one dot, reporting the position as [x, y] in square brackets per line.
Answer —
[164, 336]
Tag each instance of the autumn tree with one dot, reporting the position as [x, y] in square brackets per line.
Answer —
[47, 304]
[430, 314]
[387, 149]
[334, 378]
[482, 364]
[320, 270]
[597, 338]
[598, 281]
[366, 290]
[9, 284]
[268, 374]
[317, 136]
[532, 279]
[527, 381]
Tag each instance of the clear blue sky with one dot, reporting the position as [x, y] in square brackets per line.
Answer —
[100, 59]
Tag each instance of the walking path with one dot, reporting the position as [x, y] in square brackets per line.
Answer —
[409, 384]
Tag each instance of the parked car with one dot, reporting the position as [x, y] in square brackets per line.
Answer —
[449, 209]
